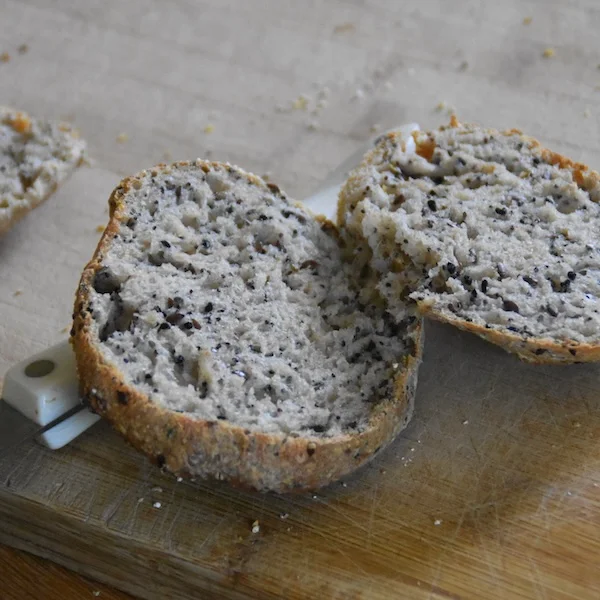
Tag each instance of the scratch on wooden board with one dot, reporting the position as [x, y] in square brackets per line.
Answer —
[209, 535]
[32, 471]
[347, 518]
[540, 592]
[110, 511]
[92, 499]
[24, 458]
[374, 504]
[168, 537]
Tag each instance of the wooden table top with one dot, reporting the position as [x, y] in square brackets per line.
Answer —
[279, 87]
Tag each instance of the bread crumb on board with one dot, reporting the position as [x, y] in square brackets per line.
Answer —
[96, 593]
[209, 128]
[99, 228]
[548, 53]
[18, 292]
[437, 522]
[527, 20]
[122, 138]
[301, 102]
[255, 527]
[157, 505]
[284, 516]
[344, 28]
[4, 57]
[23, 48]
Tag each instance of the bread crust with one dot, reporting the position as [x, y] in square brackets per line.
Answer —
[217, 449]
[529, 349]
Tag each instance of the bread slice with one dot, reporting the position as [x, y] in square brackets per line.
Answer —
[35, 158]
[217, 328]
[485, 230]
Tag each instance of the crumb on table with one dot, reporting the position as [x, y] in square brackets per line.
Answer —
[527, 20]
[4, 57]
[344, 28]
[122, 138]
[549, 53]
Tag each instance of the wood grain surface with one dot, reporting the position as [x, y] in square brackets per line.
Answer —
[492, 492]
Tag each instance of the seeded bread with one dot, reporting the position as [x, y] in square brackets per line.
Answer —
[485, 230]
[35, 158]
[217, 329]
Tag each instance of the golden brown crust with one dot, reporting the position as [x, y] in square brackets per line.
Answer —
[533, 350]
[217, 449]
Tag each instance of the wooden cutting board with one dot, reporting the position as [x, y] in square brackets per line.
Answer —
[493, 490]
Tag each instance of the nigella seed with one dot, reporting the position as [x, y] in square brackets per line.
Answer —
[188, 325]
[164, 326]
[179, 360]
[484, 285]
[432, 205]
[571, 275]
[551, 311]
[467, 280]
[174, 318]
[510, 306]
[501, 211]
[530, 281]
[209, 307]
[451, 268]
[165, 243]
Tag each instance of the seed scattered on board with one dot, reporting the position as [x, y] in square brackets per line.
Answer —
[548, 53]
[157, 505]
[255, 527]
[527, 20]
[122, 138]
[437, 522]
